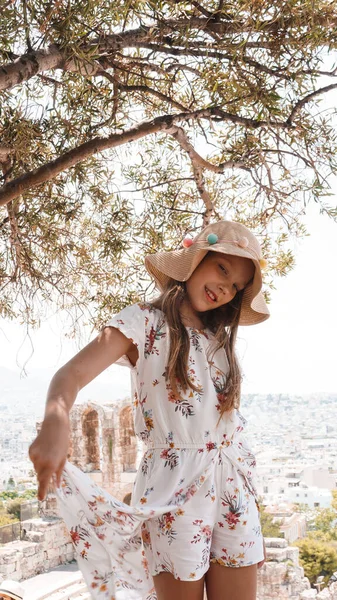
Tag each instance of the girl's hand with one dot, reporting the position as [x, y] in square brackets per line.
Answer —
[48, 452]
[261, 563]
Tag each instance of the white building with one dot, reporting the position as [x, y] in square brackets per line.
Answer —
[313, 496]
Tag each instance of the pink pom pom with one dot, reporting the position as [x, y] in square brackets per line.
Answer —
[187, 242]
[243, 242]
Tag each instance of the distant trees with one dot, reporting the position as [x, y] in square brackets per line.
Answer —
[14, 508]
[10, 483]
[317, 558]
[8, 495]
[29, 495]
[10, 505]
[318, 551]
[12, 495]
[5, 517]
[325, 523]
[269, 528]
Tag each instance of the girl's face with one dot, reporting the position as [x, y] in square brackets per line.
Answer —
[217, 279]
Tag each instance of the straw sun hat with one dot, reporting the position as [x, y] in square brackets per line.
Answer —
[12, 589]
[226, 237]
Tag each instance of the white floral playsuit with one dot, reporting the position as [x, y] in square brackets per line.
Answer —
[193, 500]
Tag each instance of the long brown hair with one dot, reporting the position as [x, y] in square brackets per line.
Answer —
[222, 322]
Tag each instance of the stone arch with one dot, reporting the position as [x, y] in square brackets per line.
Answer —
[90, 430]
[128, 440]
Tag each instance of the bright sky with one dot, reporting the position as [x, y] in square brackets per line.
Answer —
[294, 351]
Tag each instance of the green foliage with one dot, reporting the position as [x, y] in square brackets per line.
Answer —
[269, 529]
[29, 494]
[301, 507]
[13, 508]
[239, 76]
[8, 495]
[317, 558]
[334, 500]
[325, 521]
[6, 519]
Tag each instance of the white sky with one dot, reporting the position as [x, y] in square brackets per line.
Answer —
[294, 351]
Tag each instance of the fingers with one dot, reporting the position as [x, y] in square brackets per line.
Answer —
[47, 475]
[44, 477]
[44, 469]
[59, 474]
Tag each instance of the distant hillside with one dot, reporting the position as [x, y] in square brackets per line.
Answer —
[30, 391]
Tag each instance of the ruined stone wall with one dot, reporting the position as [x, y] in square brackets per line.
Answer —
[104, 445]
[46, 545]
[281, 576]
[328, 593]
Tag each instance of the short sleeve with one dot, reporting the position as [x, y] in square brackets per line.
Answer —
[131, 322]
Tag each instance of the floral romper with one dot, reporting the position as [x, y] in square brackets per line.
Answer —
[193, 500]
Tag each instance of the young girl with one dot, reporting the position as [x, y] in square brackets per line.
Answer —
[193, 519]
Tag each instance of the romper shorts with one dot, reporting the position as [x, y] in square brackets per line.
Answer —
[220, 523]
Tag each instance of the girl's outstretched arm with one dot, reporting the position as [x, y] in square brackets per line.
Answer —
[49, 450]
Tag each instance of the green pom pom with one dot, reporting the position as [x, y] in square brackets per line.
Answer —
[212, 238]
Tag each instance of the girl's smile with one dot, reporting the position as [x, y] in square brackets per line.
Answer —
[215, 282]
[210, 296]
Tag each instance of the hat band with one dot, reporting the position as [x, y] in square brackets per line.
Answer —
[242, 243]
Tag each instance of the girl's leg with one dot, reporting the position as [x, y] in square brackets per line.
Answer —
[230, 583]
[168, 588]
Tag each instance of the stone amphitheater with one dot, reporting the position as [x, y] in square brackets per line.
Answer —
[104, 445]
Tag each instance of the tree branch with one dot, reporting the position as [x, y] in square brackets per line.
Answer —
[50, 170]
[28, 65]
[5, 152]
[180, 135]
[198, 165]
[246, 122]
[202, 10]
[142, 88]
[306, 99]
[150, 187]
[32, 63]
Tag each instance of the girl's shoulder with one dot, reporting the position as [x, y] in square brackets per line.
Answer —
[140, 312]
[148, 307]
[150, 313]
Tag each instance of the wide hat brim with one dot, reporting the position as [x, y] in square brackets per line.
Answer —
[180, 264]
[4, 589]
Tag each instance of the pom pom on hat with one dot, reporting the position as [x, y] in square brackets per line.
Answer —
[187, 242]
[243, 242]
[263, 263]
[212, 238]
